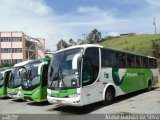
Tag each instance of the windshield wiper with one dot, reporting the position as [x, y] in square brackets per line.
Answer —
[62, 79]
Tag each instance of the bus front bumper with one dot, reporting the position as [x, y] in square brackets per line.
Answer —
[65, 101]
[15, 95]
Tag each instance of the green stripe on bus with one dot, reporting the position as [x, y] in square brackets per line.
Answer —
[133, 79]
[63, 93]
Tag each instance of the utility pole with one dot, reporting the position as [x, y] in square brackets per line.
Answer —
[61, 43]
[84, 36]
[154, 23]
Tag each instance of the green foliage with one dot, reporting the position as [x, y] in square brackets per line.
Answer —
[138, 43]
[94, 36]
[71, 42]
[158, 63]
[6, 65]
[156, 48]
[146, 44]
[62, 44]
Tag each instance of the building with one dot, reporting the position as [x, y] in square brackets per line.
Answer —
[17, 47]
[127, 34]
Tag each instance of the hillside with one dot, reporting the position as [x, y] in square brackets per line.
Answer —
[136, 43]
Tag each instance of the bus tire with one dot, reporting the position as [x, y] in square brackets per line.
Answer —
[149, 85]
[109, 96]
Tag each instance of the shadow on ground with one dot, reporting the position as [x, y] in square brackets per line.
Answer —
[38, 103]
[5, 98]
[18, 100]
[95, 106]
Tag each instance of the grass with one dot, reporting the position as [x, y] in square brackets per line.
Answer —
[137, 43]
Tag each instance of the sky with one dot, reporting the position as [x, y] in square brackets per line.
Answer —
[65, 19]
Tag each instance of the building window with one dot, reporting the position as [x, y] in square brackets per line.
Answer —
[5, 39]
[16, 39]
[5, 61]
[5, 50]
[8, 39]
[16, 61]
[9, 50]
[16, 50]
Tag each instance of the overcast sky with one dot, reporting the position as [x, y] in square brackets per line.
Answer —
[56, 19]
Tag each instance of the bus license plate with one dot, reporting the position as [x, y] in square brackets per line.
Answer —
[59, 102]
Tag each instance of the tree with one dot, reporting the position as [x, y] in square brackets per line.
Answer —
[156, 48]
[48, 50]
[62, 44]
[94, 36]
[71, 42]
[80, 42]
[7, 65]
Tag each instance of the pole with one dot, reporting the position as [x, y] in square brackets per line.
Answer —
[154, 23]
[28, 54]
[61, 44]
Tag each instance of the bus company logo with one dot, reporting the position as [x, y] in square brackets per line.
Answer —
[106, 75]
[132, 74]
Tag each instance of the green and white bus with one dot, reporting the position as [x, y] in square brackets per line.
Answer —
[4, 76]
[34, 80]
[14, 83]
[89, 73]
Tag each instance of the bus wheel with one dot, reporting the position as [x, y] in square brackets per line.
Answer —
[149, 85]
[109, 96]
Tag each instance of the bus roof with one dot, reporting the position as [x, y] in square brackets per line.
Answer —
[80, 46]
[22, 63]
[100, 46]
[4, 68]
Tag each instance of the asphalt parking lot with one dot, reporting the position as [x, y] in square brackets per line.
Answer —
[141, 102]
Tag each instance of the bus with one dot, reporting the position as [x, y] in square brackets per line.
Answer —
[14, 82]
[34, 80]
[4, 76]
[86, 74]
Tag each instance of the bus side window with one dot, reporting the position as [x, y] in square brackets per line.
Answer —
[45, 75]
[106, 58]
[123, 60]
[145, 62]
[150, 64]
[130, 61]
[137, 61]
[90, 66]
[154, 63]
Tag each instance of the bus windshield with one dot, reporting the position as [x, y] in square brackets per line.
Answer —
[1, 77]
[14, 78]
[64, 71]
[30, 78]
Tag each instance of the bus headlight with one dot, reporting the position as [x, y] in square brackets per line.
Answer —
[20, 88]
[48, 92]
[37, 91]
[74, 95]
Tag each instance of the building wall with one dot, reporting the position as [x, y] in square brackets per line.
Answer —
[14, 47]
[41, 48]
[11, 47]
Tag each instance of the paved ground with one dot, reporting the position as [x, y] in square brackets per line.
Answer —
[139, 102]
